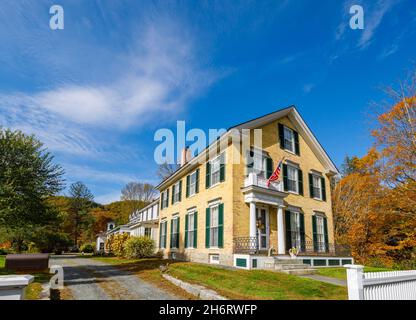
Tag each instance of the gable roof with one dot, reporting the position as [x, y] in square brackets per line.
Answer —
[292, 113]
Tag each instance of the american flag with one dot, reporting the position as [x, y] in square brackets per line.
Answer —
[275, 174]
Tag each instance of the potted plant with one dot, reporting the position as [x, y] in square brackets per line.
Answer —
[293, 252]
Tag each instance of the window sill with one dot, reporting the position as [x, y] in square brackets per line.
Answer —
[291, 152]
[293, 192]
[214, 185]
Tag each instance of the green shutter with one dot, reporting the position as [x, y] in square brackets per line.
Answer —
[207, 226]
[166, 234]
[180, 190]
[315, 237]
[188, 178]
[285, 177]
[288, 231]
[221, 225]
[186, 230]
[323, 189]
[269, 167]
[171, 232]
[177, 235]
[281, 136]
[310, 185]
[160, 235]
[249, 163]
[297, 149]
[326, 234]
[300, 182]
[222, 167]
[208, 175]
[302, 232]
[167, 199]
[195, 229]
[197, 181]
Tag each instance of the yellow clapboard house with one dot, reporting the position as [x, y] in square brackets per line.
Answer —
[216, 210]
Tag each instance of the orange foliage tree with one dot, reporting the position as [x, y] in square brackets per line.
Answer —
[374, 203]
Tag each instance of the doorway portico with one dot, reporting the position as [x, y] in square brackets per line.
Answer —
[261, 199]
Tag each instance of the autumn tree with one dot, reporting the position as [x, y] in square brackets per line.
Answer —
[374, 203]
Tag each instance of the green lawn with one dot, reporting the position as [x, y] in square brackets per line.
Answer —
[34, 289]
[256, 284]
[341, 273]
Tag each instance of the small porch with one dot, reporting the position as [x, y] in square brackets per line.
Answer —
[276, 238]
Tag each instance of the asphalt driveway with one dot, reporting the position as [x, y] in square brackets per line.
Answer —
[88, 279]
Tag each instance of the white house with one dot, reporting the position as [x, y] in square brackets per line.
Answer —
[143, 222]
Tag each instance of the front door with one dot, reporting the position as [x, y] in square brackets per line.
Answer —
[263, 227]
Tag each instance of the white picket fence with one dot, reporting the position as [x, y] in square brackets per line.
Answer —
[389, 285]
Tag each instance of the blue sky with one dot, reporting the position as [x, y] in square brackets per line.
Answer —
[96, 91]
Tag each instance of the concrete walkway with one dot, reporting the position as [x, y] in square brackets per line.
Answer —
[337, 282]
[88, 279]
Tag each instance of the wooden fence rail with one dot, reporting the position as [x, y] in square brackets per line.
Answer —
[389, 285]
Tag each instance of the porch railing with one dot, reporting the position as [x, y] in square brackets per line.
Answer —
[250, 245]
[257, 180]
[246, 245]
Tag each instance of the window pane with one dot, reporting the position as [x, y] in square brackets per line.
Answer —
[288, 139]
[292, 176]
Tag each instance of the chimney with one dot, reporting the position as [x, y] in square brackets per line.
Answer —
[185, 156]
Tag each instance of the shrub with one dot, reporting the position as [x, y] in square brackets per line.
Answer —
[87, 248]
[115, 243]
[32, 248]
[139, 247]
[3, 252]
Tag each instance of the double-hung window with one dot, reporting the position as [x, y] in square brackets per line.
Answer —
[175, 232]
[316, 186]
[148, 232]
[215, 170]
[260, 163]
[295, 230]
[289, 139]
[320, 234]
[214, 226]
[177, 192]
[292, 179]
[192, 183]
[191, 230]
[165, 199]
[162, 240]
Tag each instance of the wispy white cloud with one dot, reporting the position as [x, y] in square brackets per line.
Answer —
[373, 18]
[374, 13]
[307, 88]
[161, 72]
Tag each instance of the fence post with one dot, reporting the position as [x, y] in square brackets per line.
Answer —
[355, 281]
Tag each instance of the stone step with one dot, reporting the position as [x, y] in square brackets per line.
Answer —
[291, 266]
[300, 272]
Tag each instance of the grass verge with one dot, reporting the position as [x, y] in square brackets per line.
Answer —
[341, 273]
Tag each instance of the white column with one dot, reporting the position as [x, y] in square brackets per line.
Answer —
[355, 281]
[253, 225]
[280, 232]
